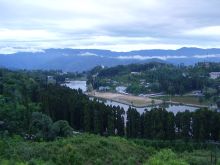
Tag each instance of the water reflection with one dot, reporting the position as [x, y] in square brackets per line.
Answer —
[77, 85]
[169, 107]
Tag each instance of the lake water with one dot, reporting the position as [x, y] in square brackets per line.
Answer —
[170, 107]
[77, 85]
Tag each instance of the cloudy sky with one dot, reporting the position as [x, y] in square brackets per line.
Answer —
[120, 25]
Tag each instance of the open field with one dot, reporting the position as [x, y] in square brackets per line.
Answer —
[136, 101]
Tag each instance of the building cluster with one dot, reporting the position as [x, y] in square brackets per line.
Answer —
[214, 75]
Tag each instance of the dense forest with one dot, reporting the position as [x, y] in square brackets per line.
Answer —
[35, 111]
[28, 102]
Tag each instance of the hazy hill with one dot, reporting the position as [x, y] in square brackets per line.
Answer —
[85, 59]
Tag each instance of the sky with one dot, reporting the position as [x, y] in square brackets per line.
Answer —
[118, 25]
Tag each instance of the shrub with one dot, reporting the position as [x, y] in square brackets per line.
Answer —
[165, 157]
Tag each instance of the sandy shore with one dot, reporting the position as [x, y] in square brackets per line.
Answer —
[136, 101]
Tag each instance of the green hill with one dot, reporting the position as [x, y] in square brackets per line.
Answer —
[80, 149]
[94, 149]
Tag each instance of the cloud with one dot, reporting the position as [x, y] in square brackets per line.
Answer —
[26, 35]
[207, 56]
[210, 31]
[138, 57]
[116, 25]
[10, 50]
[87, 54]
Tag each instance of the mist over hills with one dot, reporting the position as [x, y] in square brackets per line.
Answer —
[85, 59]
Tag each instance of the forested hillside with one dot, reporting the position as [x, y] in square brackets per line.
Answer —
[34, 115]
[159, 77]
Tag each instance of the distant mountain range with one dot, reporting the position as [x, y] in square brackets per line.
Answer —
[85, 59]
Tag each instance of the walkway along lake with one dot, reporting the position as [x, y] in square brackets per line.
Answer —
[169, 107]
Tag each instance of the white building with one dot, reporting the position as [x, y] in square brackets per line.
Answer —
[121, 89]
[135, 73]
[51, 80]
[102, 88]
[214, 75]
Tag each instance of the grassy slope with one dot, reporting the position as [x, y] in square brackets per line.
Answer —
[88, 149]
[81, 149]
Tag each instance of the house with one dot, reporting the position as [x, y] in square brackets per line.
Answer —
[197, 93]
[95, 75]
[67, 79]
[135, 73]
[121, 89]
[51, 80]
[214, 75]
[102, 88]
[114, 82]
[62, 73]
[142, 81]
[184, 74]
[147, 85]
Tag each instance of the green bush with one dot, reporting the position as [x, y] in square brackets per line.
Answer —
[79, 149]
[165, 157]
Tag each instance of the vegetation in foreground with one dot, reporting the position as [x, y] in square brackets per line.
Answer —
[94, 149]
[80, 149]
[35, 116]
